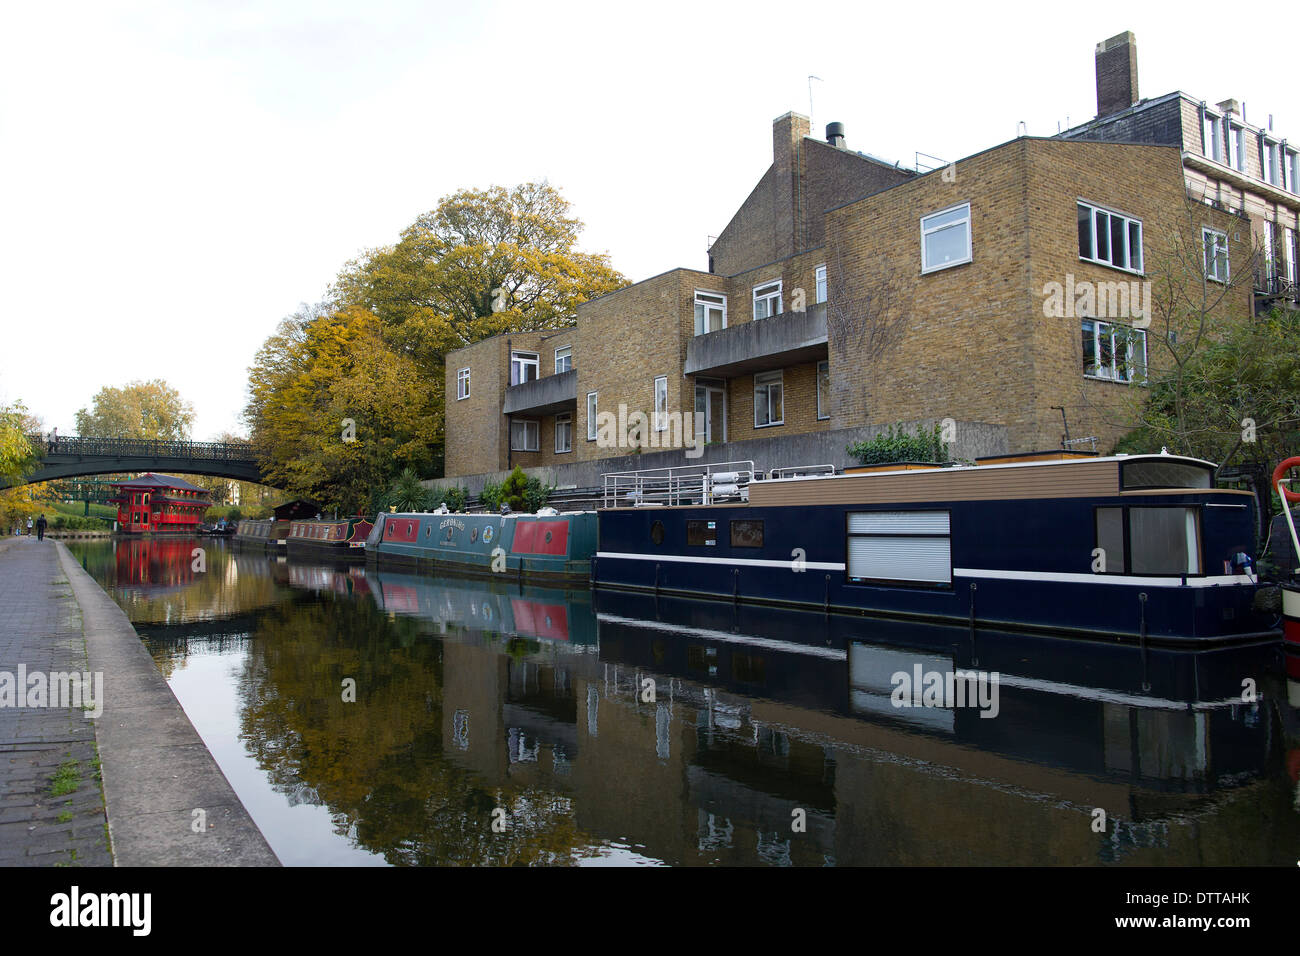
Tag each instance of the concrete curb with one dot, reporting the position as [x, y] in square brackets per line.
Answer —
[156, 769]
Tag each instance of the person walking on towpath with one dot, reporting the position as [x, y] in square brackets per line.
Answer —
[40, 528]
[29, 526]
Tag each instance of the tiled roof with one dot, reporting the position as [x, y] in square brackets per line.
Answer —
[151, 480]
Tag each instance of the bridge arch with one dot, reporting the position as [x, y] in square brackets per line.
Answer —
[75, 457]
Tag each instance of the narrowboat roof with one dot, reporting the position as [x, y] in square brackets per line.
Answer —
[1067, 478]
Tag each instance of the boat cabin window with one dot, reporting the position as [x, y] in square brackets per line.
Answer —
[899, 547]
[1163, 474]
[700, 533]
[1148, 540]
[747, 534]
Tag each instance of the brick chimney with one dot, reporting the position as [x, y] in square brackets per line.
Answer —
[788, 132]
[1117, 74]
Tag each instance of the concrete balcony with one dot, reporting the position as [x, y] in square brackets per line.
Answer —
[543, 396]
[790, 338]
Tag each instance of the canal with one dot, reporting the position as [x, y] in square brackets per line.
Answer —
[374, 718]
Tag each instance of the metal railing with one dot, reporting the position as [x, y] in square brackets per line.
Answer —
[802, 471]
[681, 485]
[79, 447]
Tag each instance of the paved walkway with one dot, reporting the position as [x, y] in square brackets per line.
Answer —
[158, 779]
[51, 802]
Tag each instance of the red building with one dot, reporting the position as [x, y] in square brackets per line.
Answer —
[159, 503]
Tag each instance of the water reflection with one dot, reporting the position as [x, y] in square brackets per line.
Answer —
[620, 728]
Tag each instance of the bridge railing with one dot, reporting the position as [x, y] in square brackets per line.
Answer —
[77, 446]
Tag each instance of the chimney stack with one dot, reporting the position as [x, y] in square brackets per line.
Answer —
[788, 133]
[835, 135]
[1117, 74]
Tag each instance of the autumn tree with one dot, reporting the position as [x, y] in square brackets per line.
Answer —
[334, 409]
[484, 262]
[149, 410]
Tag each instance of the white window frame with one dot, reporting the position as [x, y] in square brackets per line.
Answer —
[591, 415]
[763, 381]
[1134, 366]
[661, 403]
[820, 289]
[1221, 257]
[536, 431]
[705, 300]
[568, 350]
[1212, 137]
[771, 293]
[524, 360]
[929, 230]
[823, 413]
[564, 419]
[1095, 216]
[1237, 147]
[1291, 170]
[462, 384]
[1273, 162]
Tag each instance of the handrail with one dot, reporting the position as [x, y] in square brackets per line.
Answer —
[75, 445]
[678, 485]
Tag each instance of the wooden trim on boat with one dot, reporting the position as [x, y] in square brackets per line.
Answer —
[1073, 479]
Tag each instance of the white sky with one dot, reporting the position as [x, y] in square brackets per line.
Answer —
[175, 177]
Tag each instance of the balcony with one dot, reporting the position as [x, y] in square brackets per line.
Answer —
[543, 396]
[1274, 291]
[790, 338]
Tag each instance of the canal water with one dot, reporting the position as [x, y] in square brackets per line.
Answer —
[381, 718]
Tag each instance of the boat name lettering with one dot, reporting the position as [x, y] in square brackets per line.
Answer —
[452, 523]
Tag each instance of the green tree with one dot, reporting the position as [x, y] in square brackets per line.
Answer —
[150, 410]
[484, 262]
[17, 457]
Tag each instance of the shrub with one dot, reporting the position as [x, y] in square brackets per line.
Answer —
[453, 496]
[521, 492]
[898, 445]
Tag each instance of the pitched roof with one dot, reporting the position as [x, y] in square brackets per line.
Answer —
[150, 480]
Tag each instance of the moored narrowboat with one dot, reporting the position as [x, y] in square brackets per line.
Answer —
[1290, 574]
[340, 537]
[1138, 548]
[549, 547]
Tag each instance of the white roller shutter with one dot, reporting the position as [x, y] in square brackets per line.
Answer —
[904, 546]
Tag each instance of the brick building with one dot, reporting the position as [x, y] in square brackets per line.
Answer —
[1009, 288]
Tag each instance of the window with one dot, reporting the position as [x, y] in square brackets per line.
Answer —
[1236, 147]
[524, 367]
[563, 433]
[767, 300]
[1291, 171]
[768, 405]
[823, 390]
[820, 281]
[1215, 244]
[701, 533]
[462, 384]
[945, 238]
[1288, 255]
[563, 359]
[1116, 353]
[1273, 163]
[1213, 137]
[1148, 474]
[747, 534]
[1110, 238]
[661, 403]
[899, 547]
[591, 416]
[1149, 540]
[523, 435]
[710, 312]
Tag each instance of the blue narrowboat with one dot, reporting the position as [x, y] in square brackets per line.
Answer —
[1139, 548]
[548, 546]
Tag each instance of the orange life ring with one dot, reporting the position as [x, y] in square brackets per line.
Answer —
[1281, 470]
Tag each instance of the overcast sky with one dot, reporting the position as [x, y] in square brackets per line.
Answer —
[176, 177]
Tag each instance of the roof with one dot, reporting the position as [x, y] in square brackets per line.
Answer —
[151, 480]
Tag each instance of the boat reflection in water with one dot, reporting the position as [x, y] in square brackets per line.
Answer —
[616, 728]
